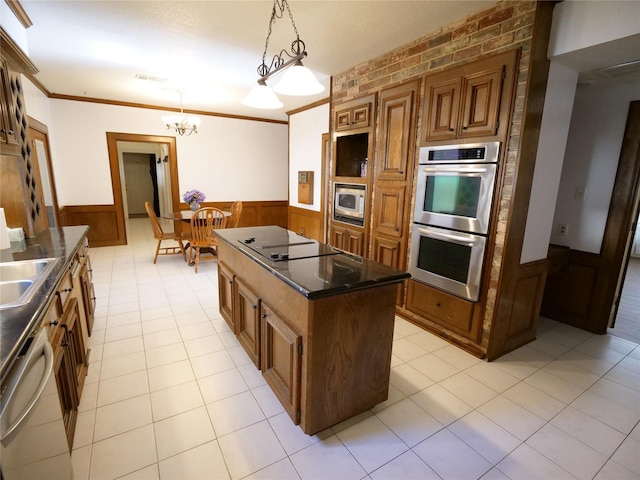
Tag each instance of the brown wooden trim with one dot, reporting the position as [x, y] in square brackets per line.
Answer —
[309, 107]
[536, 90]
[58, 96]
[15, 56]
[18, 11]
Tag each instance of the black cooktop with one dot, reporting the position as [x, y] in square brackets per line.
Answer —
[284, 245]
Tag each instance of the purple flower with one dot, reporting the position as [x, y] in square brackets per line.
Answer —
[194, 196]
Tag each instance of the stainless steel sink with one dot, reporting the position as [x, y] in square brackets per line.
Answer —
[20, 280]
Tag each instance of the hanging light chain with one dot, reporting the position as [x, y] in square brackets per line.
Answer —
[298, 48]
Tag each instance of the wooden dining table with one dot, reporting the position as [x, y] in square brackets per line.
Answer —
[185, 215]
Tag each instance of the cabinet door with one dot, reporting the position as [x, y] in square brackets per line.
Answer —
[389, 210]
[360, 116]
[88, 294]
[442, 103]
[8, 131]
[343, 119]
[386, 251]
[75, 344]
[281, 352]
[351, 241]
[397, 107]
[225, 294]
[481, 102]
[247, 320]
[65, 380]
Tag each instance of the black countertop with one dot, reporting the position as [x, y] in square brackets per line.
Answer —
[314, 269]
[17, 323]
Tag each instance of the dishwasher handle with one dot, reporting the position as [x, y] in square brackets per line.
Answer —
[41, 347]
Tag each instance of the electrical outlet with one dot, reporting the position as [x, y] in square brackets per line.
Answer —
[580, 193]
[563, 229]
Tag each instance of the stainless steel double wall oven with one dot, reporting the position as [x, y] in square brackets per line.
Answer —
[452, 214]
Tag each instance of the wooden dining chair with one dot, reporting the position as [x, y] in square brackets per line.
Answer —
[161, 236]
[236, 211]
[203, 224]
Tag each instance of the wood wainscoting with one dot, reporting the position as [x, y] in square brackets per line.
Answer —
[104, 228]
[307, 223]
[570, 292]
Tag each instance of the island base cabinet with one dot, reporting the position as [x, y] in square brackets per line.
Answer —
[326, 359]
[281, 352]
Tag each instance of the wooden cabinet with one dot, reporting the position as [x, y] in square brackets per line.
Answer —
[246, 316]
[62, 321]
[354, 114]
[394, 176]
[327, 358]
[465, 102]
[225, 294]
[348, 239]
[87, 295]
[8, 130]
[281, 352]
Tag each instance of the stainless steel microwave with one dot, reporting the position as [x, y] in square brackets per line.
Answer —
[349, 200]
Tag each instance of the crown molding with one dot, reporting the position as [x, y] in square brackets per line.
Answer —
[15, 56]
[18, 11]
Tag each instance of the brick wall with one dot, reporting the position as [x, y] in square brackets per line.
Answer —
[506, 26]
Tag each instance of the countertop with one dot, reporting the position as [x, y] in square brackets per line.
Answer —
[17, 323]
[314, 269]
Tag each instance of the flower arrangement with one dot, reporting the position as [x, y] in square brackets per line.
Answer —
[194, 196]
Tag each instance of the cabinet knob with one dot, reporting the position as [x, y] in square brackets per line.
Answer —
[451, 129]
[67, 290]
[438, 304]
[54, 323]
[254, 306]
[464, 127]
[264, 315]
[64, 344]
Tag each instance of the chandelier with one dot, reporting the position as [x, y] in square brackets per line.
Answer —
[297, 80]
[181, 124]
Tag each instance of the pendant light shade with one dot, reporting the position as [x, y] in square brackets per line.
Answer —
[299, 81]
[262, 96]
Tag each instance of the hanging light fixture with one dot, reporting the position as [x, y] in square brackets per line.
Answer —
[296, 81]
[180, 124]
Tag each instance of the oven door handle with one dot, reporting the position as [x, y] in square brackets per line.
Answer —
[448, 236]
[461, 170]
[41, 348]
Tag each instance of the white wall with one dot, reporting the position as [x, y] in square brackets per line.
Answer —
[227, 159]
[591, 160]
[305, 151]
[561, 87]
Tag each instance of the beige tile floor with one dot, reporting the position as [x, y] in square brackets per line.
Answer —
[171, 394]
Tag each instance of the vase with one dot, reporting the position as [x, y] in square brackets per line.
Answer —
[194, 206]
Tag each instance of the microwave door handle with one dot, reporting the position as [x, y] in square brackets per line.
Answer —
[454, 170]
[448, 236]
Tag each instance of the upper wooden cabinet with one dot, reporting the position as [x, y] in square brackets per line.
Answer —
[8, 130]
[397, 131]
[466, 101]
[355, 114]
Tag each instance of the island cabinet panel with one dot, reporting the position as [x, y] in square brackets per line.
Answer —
[225, 294]
[325, 354]
[247, 320]
[281, 352]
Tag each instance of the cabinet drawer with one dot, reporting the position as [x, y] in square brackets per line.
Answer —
[447, 310]
[65, 287]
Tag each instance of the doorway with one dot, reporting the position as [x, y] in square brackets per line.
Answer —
[41, 153]
[164, 153]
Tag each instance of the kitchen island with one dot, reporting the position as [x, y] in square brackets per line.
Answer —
[318, 322]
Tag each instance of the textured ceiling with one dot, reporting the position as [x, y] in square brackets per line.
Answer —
[211, 49]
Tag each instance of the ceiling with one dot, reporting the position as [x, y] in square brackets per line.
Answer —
[211, 49]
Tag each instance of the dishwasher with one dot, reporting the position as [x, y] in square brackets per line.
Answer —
[33, 442]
